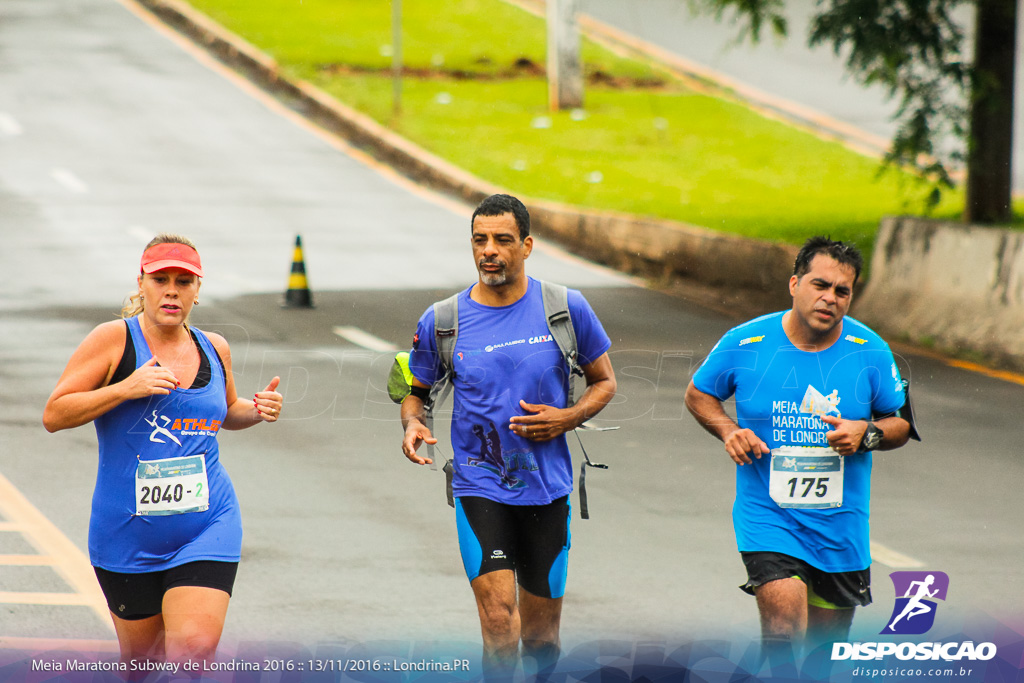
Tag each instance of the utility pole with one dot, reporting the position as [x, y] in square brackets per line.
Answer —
[396, 57]
[990, 148]
[565, 70]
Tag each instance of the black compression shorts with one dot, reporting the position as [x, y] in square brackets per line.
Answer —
[140, 596]
[531, 540]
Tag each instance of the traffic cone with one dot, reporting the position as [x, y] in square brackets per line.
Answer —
[298, 294]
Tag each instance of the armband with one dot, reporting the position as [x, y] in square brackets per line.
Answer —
[419, 392]
[906, 412]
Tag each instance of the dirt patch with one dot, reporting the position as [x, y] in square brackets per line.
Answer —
[523, 67]
[598, 77]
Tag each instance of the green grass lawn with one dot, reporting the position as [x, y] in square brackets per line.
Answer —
[657, 150]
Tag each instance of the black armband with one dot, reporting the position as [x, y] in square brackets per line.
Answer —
[906, 412]
[419, 392]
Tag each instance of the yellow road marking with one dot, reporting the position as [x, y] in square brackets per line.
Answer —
[26, 560]
[70, 563]
[62, 644]
[891, 558]
[17, 598]
[989, 372]
[1005, 375]
[9, 526]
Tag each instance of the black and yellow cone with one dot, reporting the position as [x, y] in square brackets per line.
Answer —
[298, 294]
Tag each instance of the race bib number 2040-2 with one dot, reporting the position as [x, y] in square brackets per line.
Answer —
[172, 486]
[804, 477]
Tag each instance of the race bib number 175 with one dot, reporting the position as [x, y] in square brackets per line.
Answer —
[806, 477]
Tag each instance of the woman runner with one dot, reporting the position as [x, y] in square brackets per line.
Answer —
[165, 532]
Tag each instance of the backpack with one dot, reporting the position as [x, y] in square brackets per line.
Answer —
[446, 332]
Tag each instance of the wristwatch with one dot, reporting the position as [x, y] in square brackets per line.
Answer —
[872, 438]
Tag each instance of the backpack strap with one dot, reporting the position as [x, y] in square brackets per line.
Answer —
[446, 332]
[556, 310]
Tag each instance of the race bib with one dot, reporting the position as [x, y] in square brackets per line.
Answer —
[172, 486]
[803, 477]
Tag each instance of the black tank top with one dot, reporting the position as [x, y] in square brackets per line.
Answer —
[127, 364]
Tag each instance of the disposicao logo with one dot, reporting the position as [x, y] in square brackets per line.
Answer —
[914, 612]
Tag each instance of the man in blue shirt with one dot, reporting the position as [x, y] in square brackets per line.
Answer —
[815, 393]
[512, 468]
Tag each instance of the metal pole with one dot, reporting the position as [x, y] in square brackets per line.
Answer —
[396, 57]
[565, 70]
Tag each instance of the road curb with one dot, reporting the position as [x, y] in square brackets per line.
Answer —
[666, 251]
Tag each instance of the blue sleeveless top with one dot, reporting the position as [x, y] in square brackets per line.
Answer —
[183, 423]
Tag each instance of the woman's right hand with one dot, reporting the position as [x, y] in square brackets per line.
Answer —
[150, 379]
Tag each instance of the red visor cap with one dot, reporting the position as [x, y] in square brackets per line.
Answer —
[171, 255]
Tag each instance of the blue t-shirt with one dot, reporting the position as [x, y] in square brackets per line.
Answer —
[781, 394]
[504, 354]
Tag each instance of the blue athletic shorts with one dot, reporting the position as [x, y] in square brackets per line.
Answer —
[531, 540]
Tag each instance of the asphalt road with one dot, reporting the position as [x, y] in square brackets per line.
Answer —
[815, 78]
[110, 131]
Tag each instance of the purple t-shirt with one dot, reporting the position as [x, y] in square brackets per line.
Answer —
[504, 354]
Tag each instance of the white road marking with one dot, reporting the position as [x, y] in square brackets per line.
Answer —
[9, 125]
[891, 558]
[69, 180]
[364, 339]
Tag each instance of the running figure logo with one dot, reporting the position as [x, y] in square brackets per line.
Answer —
[491, 457]
[914, 612]
[817, 403]
[157, 429]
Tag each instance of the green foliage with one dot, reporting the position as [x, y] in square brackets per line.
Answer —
[914, 48]
[661, 151]
[756, 13]
[669, 154]
[463, 37]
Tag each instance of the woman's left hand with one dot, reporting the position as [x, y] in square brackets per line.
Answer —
[268, 402]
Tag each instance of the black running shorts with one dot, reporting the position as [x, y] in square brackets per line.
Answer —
[531, 540]
[140, 596]
[842, 590]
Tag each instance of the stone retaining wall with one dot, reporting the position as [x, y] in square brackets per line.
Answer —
[958, 287]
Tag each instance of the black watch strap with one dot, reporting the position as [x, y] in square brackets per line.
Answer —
[872, 438]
